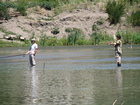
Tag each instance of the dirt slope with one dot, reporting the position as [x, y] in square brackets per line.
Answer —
[38, 23]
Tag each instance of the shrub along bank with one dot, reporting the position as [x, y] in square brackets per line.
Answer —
[115, 10]
[78, 39]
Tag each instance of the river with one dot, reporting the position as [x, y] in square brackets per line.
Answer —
[73, 75]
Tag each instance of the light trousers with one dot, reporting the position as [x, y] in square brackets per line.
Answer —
[118, 57]
[32, 60]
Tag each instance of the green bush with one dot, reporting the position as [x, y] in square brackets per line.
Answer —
[94, 27]
[130, 37]
[43, 40]
[52, 41]
[97, 38]
[21, 7]
[55, 30]
[64, 41]
[49, 4]
[4, 13]
[69, 30]
[74, 35]
[134, 19]
[82, 42]
[115, 10]
[105, 37]
[127, 37]
[136, 38]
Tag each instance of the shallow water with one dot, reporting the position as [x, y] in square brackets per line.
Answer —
[74, 75]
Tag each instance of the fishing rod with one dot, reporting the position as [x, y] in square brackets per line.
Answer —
[12, 56]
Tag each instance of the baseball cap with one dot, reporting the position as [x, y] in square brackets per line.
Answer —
[33, 39]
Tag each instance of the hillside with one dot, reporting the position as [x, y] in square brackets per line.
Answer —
[41, 22]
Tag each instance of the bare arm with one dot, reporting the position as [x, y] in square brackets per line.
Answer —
[27, 52]
[111, 43]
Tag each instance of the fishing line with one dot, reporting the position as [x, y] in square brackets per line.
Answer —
[12, 56]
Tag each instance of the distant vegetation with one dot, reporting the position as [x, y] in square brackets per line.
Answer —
[134, 19]
[128, 37]
[115, 9]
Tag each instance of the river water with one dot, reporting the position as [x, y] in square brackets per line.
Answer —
[74, 75]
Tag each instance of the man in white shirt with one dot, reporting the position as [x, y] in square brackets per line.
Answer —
[32, 51]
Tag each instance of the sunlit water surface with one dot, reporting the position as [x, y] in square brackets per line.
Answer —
[81, 75]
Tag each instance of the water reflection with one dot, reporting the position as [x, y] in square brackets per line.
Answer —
[119, 93]
[34, 84]
[119, 77]
[71, 76]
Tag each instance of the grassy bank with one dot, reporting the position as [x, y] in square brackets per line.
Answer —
[130, 37]
[76, 36]
[98, 39]
[11, 44]
[71, 40]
